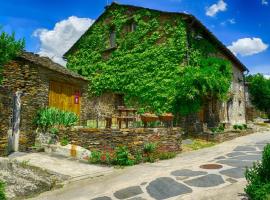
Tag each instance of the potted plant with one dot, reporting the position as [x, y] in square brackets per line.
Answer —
[166, 117]
[148, 117]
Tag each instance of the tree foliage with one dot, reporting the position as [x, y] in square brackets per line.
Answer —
[9, 48]
[259, 89]
[150, 65]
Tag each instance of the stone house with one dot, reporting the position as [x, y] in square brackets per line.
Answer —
[44, 84]
[213, 112]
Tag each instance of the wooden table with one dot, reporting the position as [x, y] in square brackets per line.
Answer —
[124, 115]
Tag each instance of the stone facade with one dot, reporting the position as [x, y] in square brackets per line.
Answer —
[31, 76]
[5, 118]
[102, 139]
[213, 112]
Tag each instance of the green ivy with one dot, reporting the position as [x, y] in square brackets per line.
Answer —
[155, 67]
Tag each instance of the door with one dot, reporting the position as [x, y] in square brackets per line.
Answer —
[65, 97]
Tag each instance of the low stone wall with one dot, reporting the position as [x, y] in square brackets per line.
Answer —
[168, 139]
[222, 137]
[5, 118]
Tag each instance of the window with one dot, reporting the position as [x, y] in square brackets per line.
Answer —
[112, 38]
[131, 27]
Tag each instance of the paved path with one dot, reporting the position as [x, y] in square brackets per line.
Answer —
[179, 178]
[67, 167]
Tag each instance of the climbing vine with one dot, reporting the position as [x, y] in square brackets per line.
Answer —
[154, 66]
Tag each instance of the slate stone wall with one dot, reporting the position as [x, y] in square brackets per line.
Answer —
[34, 81]
[24, 76]
[5, 118]
[168, 139]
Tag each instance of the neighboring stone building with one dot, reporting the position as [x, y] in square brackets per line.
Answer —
[213, 112]
[44, 83]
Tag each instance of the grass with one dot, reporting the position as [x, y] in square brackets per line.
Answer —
[197, 144]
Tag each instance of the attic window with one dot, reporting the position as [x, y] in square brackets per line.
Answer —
[112, 38]
[131, 27]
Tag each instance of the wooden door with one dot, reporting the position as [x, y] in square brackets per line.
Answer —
[65, 97]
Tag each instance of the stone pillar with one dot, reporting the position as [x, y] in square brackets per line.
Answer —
[16, 122]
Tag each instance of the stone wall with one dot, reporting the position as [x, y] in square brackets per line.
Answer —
[104, 105]
[102, 139]
[23, 76]
[34, 81]
[5, 118]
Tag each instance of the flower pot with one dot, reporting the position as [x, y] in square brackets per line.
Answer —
[166, 118]
[149, 118]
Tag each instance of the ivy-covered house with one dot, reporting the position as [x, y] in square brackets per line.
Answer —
[162, 62]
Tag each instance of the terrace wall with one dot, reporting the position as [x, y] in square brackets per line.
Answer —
[168, 139]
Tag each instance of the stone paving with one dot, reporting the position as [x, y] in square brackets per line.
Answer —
[184, 181]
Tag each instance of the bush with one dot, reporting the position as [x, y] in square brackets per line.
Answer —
[2, 191]
[50, 117]
[240, 127]
[149, 148]
[123, 157]
[64, 141]
[166, 155]
[258, 178]
[218, 129]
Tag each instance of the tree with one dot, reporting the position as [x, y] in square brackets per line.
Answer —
[259, 89]
[9, 48]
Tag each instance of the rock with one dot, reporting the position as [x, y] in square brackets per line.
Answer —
[23, 180]
[165, 187]
[128, 192]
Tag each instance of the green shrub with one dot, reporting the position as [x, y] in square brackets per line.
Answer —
[54, 131]
[218, 129]
[138, 157]
[123, 157]
[166, 155]
[95, 157]
[245, 126]
[2, 191]
[235, 127]
[64, 141]
[258, 178]
[149, 148]
[240, 127]
[50, 117]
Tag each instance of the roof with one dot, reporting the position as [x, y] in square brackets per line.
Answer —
[193, 22]
[49, 64]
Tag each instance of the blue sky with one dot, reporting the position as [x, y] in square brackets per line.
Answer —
[229, 20]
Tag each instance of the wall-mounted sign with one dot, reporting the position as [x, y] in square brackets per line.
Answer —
[77, 98]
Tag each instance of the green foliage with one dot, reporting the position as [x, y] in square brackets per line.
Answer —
[54, 131]
[166, 155]
[51, 117]
[9, 48]
[219, 129]
[123, 157]
[240, 127]
[64, 141]
[258, 178]
[95, 157]
[149, 148]
[2, 191]
[150, 66]
[259, 89]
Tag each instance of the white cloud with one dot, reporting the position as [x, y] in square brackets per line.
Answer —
[264, 2]
[228, 21]
[215, 8]
[54, 43]
[248, 46]
[266, 76]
